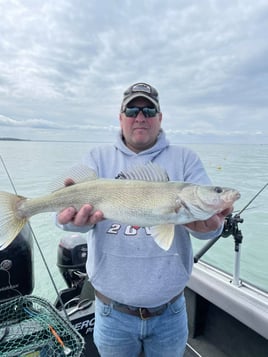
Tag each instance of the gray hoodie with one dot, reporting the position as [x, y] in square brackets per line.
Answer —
[124, 263]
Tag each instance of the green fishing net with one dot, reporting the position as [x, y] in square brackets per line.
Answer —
[31, 327]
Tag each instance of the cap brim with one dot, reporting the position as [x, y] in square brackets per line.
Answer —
[138, 95]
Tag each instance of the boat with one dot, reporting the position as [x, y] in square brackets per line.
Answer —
[227, 317]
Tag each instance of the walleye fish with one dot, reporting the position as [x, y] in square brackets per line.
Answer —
[143, 197]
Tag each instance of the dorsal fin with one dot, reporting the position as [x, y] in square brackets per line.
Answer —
[78, 173]
[148, 172]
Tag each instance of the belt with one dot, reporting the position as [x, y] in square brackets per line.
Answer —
[141, 312]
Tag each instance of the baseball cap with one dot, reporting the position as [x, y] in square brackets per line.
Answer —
[140, 90]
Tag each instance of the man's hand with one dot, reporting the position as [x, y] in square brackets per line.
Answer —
[210, 224]
[85, 215]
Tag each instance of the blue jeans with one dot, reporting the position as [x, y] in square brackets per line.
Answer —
[117, 334]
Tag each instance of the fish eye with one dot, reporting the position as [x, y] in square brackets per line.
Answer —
[218, 189]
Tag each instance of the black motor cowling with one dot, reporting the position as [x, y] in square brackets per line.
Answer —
[16, 266]
[72, 256]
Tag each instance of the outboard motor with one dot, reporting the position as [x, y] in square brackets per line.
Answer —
[72, 256]
[78, 298]
[16, 266]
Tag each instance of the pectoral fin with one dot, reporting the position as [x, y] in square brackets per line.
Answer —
[163, 235]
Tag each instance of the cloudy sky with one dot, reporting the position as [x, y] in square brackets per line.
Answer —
[65, 63]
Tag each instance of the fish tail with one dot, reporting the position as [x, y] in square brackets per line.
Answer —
[10, 223]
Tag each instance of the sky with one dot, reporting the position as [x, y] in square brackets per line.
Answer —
[65, 64]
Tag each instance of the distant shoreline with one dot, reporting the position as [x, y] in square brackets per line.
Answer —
[49, 141]
[13, 139]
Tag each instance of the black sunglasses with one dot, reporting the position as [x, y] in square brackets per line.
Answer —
[146, 111]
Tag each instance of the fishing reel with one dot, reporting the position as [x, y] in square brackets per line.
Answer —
[231, 228]
[231, 225]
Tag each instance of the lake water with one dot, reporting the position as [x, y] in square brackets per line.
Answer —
[34, 165]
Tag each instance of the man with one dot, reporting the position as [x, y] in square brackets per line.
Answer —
[139, 286]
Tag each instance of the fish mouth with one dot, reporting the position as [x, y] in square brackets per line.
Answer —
[232, 196]
[219, 204]
[228, 201]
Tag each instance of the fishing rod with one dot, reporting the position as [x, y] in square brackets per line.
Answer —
[36, 242]
[231, 222]
[8, 175]
[231, 228]
[253, 198]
